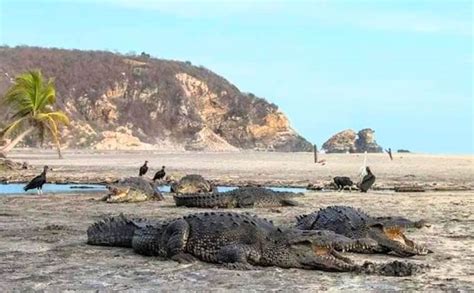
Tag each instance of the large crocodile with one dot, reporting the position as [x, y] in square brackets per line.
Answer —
[192, 183]
[235, 240]
[132, 189]
[243, 197]
[397, 221]
[375, 234]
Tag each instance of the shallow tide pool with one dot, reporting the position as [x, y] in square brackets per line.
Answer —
[16, 188]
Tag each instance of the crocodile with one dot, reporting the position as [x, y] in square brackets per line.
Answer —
[192, 183]
[234, 240]
[132, 189]
[375, 235]
[397, 221]
[243, 197]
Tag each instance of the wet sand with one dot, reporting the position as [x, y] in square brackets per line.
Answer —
[42, 238]
[293, 169]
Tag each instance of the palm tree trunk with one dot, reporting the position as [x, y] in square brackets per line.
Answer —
[60, 155]
[14, 142]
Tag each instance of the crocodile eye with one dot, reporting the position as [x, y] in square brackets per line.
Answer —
[377, 226]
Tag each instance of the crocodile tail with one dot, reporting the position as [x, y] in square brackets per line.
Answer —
[201, 200]
[112, 231]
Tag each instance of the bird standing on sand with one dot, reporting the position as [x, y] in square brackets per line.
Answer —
[37, 182]
[143, 169]
[367, 181]
[160, 174]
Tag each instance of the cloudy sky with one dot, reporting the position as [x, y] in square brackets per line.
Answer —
[403, 68]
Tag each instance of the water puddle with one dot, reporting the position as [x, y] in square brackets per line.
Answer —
[17, 188]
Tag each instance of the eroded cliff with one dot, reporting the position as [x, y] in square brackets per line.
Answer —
[138, 102]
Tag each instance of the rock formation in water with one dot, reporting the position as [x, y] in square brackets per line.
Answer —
[365, 142]
[341, 142]
[137, 102]
[348, 141]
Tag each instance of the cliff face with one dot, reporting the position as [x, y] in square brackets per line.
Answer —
[348, 141]
[138, 102]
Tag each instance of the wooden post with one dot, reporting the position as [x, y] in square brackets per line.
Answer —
[315, 148]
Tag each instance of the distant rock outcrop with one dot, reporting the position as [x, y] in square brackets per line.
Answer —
[348, 141]
[342, 142]
[138, 102]
[365, 142]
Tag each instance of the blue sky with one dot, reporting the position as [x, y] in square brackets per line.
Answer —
[403, 68]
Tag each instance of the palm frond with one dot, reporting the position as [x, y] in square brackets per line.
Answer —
[56, 116]
[12, 127]
[47, 96]
[36, 79]
[30, 100]
[21, 94]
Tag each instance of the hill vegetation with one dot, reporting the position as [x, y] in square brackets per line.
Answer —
[119, 101]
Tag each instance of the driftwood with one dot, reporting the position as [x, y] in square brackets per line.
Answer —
[409, 188]
[315, 149]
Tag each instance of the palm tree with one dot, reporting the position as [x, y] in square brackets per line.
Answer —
[31, 98]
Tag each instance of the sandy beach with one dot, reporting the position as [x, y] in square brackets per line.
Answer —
[42, 238]
[239, 168]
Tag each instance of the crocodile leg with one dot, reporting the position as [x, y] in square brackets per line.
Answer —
[289, 203]
[238, 256]
[177, 234]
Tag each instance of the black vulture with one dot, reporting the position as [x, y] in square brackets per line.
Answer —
[343, 181]
[37, 182]
[160, 174]
[143, 169]
[367, 181]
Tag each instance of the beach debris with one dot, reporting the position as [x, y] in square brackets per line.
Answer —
[394, 268]
[9, 165]
[409, 188]
[389, 152]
